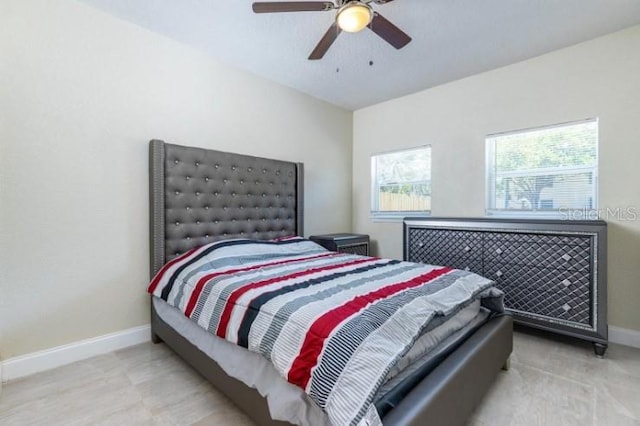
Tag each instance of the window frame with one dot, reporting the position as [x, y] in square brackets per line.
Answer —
[394, 216]
[567, 214]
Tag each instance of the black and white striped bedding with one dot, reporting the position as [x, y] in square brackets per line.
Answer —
[332, 324]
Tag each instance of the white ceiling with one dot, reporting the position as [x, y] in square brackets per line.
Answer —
[451, 39]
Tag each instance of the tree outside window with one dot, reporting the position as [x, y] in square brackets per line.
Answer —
[544, 170]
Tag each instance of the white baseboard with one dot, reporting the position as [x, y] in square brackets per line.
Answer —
[624, 336]
[25, 365]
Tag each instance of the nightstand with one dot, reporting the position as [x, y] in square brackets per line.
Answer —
[344, 243]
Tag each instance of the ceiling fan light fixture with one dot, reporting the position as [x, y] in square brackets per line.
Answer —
[354, 16]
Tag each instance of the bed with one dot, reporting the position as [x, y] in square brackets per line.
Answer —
[199, 196]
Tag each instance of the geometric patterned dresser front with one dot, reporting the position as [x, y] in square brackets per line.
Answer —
[447, 247]
[545, 275]
[553, 273]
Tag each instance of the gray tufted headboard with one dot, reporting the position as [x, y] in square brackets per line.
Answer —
[198, 196]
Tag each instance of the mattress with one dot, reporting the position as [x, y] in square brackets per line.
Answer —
[288, 402]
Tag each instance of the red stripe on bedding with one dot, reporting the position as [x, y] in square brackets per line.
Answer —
[230, 304]
[160, 274]
[300, 371]
[193, 300]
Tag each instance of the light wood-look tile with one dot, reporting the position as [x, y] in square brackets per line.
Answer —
[552, 381]
[558, 381]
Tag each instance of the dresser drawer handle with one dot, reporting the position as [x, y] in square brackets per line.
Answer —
[566, 257]
[499, 251]
[498, 274]
[566, 307]
[566, 283]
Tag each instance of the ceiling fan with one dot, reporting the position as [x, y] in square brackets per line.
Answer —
[352, 16]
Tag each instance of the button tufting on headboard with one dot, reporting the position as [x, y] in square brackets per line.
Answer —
[199, 196]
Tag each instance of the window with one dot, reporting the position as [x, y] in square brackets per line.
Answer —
[401, 183]
[550, 171]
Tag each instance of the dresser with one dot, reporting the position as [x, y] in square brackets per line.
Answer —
[553, 272]
[344, 243]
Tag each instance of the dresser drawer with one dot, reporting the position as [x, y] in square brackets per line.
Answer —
[562, 294]
[541, 279]
[572, 307]
[530, 238]
[539, 251]
[361, 249]
[424, 243]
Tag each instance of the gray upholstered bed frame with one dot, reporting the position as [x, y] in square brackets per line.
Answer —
[199, 196]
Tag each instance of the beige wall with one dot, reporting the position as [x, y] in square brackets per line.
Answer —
[599, 78]
[81, 93]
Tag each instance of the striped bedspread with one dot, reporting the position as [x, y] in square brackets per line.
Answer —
[333, 324]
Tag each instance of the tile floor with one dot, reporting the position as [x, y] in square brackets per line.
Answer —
[551, 382]
[554, 381]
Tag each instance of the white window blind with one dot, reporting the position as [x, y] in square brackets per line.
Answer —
[546, 171]
[401, 183]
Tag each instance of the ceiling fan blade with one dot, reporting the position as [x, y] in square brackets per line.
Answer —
[388, 32]
[292, 6]
[327, 40]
